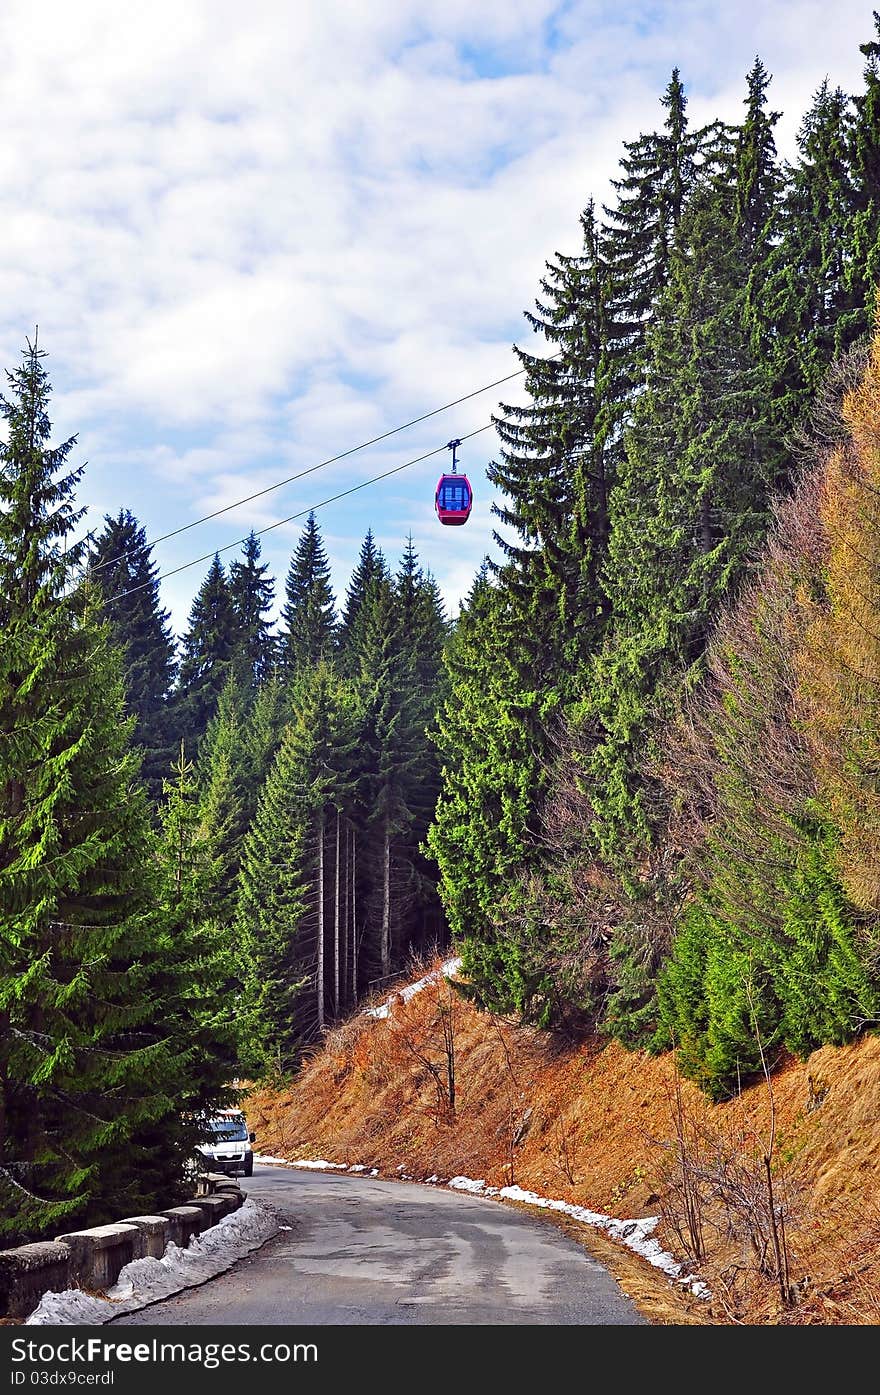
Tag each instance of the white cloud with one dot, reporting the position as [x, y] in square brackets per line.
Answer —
[254, 237]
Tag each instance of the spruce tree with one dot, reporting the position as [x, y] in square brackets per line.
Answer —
[692, 499]
[552, 470]
[388, 754]
[658, 173]
[547, 605]
[804, 303]
[863, 271]
[308, 617]
[262, 737]
[252, 592]
[758, 181]
[223, 797]
[422, 632]
[208, 651]
[275, 960]
[371, 565]
[123, 569]
[84, 1072]
[285, 917]
[195, 983]
[480, 835]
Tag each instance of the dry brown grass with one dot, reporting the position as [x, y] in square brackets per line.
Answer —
[592, 1123]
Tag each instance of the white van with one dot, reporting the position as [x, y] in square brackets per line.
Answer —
[229, 1147]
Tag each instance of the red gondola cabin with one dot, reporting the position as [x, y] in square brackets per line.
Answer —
[454, 497]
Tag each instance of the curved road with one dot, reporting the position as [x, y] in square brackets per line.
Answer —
[365, 1251]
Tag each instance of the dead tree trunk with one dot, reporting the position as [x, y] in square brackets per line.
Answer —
[386, 903]
[336, 923]
[346, 884]
[354, 947]
[705, 526]
[320, 966]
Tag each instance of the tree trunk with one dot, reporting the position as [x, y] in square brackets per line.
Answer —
[386, 903]
[320, 966]
[4, 1086]
[346, 881]
[336, 924]
[705, 525]
[354, 947]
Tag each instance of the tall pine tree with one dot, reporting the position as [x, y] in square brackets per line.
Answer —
[127, 577]
[370, 566]
[209, 650]
[422, 630]
[252, 592]
[308, 618]
[84, 1071]
[863, 270]
[480, 832]
[286, 926]
[804, 304]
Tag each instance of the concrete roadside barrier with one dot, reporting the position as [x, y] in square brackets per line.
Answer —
[98, 1254]
[214, 1207]
[93, 1258]
[155, 1232]
[186, 1221]
[29, 1271]
[211, 1182]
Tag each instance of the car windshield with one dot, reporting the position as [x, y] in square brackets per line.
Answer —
[228, 1130]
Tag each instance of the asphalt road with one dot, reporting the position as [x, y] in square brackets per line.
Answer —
[364, 1251]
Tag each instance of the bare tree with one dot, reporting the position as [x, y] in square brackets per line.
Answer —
[336, 919]
[430, 1040]
[319, 970]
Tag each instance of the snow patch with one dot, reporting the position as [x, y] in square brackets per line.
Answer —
[467, 1184]
[145, 1281]
[447, 969]
[318, 1164]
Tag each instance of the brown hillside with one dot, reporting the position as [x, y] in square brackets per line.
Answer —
[616, 1132]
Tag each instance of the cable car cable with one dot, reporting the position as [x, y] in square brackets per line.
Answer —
[291, 479]
[291, 518]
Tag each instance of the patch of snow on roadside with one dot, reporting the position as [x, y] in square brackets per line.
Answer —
[466, 1184]
[144, 1281]
[635, 1234]
[267, 1158]
[447, 969]
[318, 1164]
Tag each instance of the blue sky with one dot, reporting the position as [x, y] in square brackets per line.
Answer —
[253, 237]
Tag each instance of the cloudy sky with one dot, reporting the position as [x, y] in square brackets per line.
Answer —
[254, 236]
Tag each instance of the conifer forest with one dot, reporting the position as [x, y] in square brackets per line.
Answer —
[633, 783]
